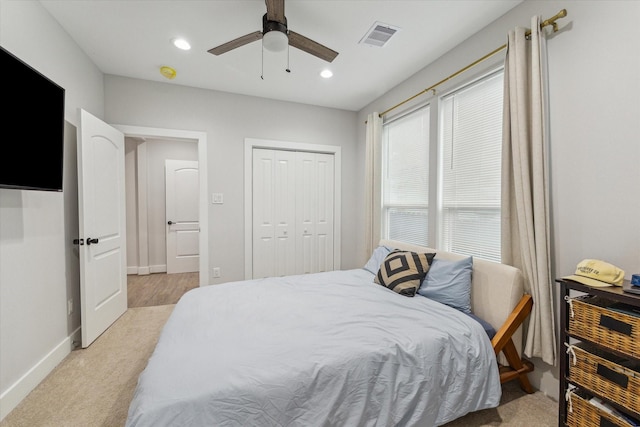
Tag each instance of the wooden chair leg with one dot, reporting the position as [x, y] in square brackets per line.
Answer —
[519, 367]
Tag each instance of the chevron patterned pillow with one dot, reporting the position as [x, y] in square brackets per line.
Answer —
[403, 271]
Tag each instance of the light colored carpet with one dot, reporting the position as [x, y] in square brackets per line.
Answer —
[93, 387]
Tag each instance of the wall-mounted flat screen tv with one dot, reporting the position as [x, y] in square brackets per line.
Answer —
[33, 114]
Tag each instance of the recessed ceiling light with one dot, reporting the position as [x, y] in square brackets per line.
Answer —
[327, 74]
[181, 44]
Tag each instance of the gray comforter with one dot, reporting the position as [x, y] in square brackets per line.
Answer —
[326, 349]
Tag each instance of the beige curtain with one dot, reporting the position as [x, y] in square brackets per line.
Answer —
[372, 182]
[525, 181]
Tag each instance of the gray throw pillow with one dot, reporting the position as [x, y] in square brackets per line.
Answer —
[449, 282]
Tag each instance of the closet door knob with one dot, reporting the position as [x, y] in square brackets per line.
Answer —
[169, 222]
[90, 241]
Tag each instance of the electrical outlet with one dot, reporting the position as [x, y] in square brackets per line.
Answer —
[70, 306]
[216, 272]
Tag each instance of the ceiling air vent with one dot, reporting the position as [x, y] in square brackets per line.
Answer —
[379, 34]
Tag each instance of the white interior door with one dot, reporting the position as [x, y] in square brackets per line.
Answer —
[182, 206]
[325, 200]
[273, 213]
[293, 212]
[101, 203]
[314, 212]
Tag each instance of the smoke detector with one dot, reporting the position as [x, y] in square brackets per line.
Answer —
[168, 72]
[379, 34]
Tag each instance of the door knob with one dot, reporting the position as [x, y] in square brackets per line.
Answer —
[170, 222]
[90, 241]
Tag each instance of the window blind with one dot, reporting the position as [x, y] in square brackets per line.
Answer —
[405, 184]
[470, 147]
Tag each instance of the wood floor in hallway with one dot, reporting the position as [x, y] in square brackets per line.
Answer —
[159, 288]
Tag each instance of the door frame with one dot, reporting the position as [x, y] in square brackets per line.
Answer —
[201, 140]
[249, 145]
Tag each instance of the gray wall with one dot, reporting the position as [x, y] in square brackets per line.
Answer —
[39, 268]
[227, 120]
[594, 89]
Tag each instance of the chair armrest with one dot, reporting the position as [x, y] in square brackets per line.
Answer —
[513, 322]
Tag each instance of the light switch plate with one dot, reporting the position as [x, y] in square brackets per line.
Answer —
[217, 198]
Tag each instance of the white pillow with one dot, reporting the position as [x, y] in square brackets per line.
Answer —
[379, 254]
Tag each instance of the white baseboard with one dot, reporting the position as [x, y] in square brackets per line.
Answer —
[158, 268]
[21, 388]
[143, 271]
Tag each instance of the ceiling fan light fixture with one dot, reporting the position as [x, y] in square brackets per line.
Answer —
[275, 41]
[276, 36]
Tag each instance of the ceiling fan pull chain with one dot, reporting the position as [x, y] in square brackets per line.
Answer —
[262, 64]
[288, 70]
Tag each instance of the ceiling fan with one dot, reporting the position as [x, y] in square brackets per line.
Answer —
[276, 36]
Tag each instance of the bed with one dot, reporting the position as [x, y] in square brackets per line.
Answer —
[329, 349]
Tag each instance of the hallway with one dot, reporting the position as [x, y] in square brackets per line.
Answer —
[159, 288]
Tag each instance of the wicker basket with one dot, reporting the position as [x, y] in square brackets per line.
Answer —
[590, 319]
[584, 414]
[605, 377]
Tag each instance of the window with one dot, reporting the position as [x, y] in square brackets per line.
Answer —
[470, 147]
[467, 178]
[405, 184]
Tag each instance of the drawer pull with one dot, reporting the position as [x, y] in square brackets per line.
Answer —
[615, 325]
[613, 376]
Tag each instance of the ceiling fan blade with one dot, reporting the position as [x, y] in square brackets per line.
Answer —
[275, 10]
[240, 41]
[314, 48]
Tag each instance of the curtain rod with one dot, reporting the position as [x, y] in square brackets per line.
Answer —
[551, 21]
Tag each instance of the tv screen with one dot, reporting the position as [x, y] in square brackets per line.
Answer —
[33, 111]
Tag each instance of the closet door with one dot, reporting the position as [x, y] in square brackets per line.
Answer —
[314, 212]
[273, 213]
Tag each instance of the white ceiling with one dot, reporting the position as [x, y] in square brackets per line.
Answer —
[132, 38]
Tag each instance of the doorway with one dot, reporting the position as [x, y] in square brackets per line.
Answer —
[162, 193]
[140, 245]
